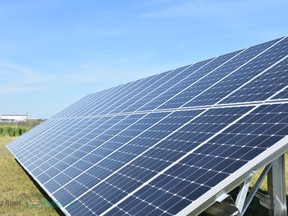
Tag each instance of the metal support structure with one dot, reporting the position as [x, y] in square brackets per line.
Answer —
[276, 181]
[270, 194]
[278, 189]
[275, 202]
[255, 188]
[242, 194]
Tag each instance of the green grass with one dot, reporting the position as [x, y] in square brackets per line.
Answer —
[16, 129]
[19, 195]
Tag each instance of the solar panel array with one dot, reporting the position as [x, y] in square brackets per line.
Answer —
[166, 144]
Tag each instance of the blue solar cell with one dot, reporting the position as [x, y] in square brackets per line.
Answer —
[117, 98]
[282, 95]
[203, 167]
[150, 93]
[199, 93]
[241, 76]
[205, 68]
[137, 93]
[258, 89]
[168, 89]
[98, 101]
[156, 159]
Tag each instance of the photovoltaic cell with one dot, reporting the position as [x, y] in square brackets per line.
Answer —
[148, 93]
[164, 153]
[199, 88]
[282, 95]
[264, 86]
[161, 92]
[207, 166]
[163, 144]
[194, 77]
[241, 76]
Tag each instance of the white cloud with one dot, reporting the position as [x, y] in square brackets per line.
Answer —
[104, 71]
[16, 79]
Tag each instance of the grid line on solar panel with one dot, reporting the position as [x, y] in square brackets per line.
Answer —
[263, 85]
[198, 88]
[251, 81]
[188, 72]
[129, 105]
[139, 95]
[282, 95]
[75, 105]
[150, 127]
[42, 134]
[33, 131]
[193, 78]
[242, 75]
[97, 105]
[177, 161]
[115, 97]
[119, 173]
[47, 124]
[265, 157]
[35, 134]
[72, 123]
[152, 84]
[101, 97]
[209, 61]
[191, 165]
[71, 131]
[113, 124]
[88, 100]
[224, 79]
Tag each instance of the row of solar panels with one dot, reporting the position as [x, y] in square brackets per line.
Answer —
[214, 81]
[161, 145]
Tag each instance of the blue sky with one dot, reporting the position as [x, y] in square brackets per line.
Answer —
[53, 52]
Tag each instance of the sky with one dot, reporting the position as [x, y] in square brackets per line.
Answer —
[54, 52]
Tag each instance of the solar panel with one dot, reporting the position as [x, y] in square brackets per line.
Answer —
[166, 144]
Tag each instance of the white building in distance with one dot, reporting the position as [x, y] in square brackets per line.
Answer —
[13, 118]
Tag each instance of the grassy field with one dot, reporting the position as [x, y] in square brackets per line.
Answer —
[19, 195]
[16, 129]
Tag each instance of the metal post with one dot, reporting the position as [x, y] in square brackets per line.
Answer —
[279, 186]
[270, 192]
[255, 188]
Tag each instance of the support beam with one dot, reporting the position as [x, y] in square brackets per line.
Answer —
[270, 193]
[255, 188]
[279, 186]
[241, 197]
[275, 202]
